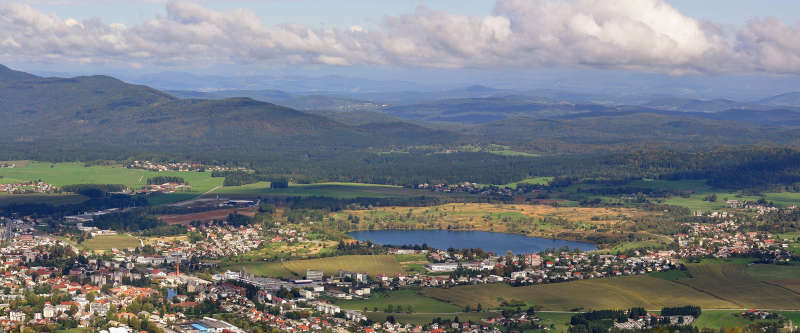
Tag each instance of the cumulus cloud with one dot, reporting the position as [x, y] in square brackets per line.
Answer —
[646, 35]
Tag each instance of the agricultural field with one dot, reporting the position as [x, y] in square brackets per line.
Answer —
[293, 269]
[746, 285]
[403, 299]
[610, 293]
[533, 220]
[106, 243]
[711, 285]
[673, 275]
[60, 174]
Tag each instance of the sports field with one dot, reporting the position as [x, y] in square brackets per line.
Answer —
[372, 265]
[106, 243]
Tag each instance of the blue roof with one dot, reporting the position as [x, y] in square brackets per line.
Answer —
[199, 327]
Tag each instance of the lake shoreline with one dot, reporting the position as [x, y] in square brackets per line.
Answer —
[497, 242]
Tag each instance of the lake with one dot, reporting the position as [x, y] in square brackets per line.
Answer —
[495, 242]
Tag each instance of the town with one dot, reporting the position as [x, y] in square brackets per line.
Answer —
[175, 285]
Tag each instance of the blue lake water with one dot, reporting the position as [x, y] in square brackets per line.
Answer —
[495, 242]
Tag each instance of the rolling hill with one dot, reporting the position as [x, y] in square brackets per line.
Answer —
[100, 112]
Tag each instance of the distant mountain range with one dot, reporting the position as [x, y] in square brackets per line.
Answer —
[104, 114]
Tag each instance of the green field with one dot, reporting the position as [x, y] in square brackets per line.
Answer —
[106, 243]
[372, 265]
[558, 322]
[535, 180]
[403, 299]
[716, 319]
[720, 319]
[61, 174]
[426, 318]
[259, 188]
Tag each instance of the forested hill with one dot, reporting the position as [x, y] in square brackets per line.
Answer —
[100, 117]
[8, 74]
[102, 113]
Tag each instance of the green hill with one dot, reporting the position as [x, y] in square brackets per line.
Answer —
[104, 114]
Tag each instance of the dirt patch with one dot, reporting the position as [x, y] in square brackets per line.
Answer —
[219, 214]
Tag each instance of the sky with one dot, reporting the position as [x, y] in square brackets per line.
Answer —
[665, 37]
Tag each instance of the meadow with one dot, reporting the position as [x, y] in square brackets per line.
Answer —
[293, 269]
[106, 243]
[60, 174]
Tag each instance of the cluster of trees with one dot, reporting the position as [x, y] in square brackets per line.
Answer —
[93, 190]
[131, 221]
[238, 178]
[58, 211]
[688, 310]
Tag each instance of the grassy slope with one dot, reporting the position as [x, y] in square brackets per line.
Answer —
[403, 298]
[611, 293]
[735, 282]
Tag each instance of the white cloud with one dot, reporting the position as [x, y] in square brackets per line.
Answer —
[646, 35]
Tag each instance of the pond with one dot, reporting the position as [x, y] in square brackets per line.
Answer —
[495, 242]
